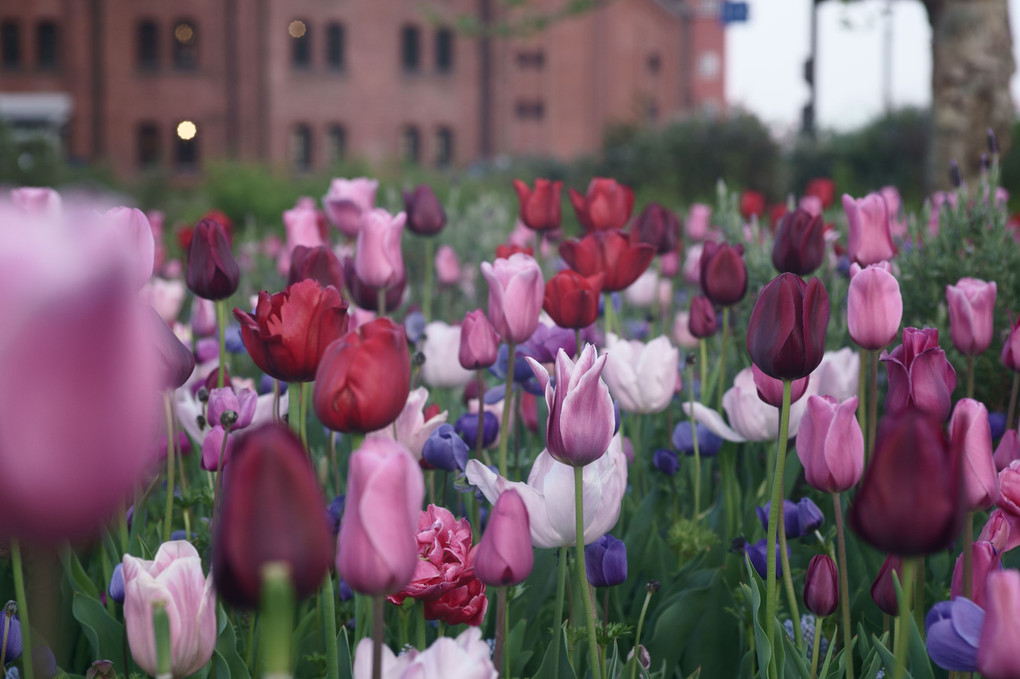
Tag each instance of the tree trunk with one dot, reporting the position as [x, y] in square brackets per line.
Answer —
[972, 62]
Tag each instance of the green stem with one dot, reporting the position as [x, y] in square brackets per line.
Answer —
[430, 264]
[872, 403]
[170, 477]
[161, 630]
[276, 625]
[724, 340]
[1011, 412]
[970, 377]
[329, 613]
[775, 520]
[561, 585]
[420, 641]
[907, 586]
[305, 388]
[19, 594]
[844, 586]
[378, 630]
[919, 595]
[381, 302]
[703, 346]
[815, 646]
[504, 432]
[609, 314]
[221, 323]
[791, 594]
[697, 453]
[637, 637]
[585, 603]
[497, 654]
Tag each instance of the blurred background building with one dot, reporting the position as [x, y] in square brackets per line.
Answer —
[306, 83]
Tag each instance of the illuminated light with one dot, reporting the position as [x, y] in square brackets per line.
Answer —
[297, 29]
[184, 33]
[187, 130]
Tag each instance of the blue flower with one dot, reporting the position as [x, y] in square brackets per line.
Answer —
[708, 442]
[445, 450]
[116, 587]
[953, 631]
[605, 562]
[467, 428]
[758, 552]
[666, 461]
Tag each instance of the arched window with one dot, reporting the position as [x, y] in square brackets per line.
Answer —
[410, 48]
[10, 44]
[147, 145]
[336, 138]
[410, 144]
[147, 35]
[47, 45]
[336, 39]
[301, 147]
[300, 44]
[444, 147]
[444, 50]
[185, 45]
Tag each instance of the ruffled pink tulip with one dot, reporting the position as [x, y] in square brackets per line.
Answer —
[505, 556]
[971, 435]
[770, 389]
[1000, 635]
[870, 239]
[580, 424]
[447, 265]
[874, 306]
[985, 560]
[919, 375]
[1002, 529]
[379, 261]
[830, 444]
[479, 341]
[971, 309]
[174, 578]
[377, 549]
[347, 201]
[516, 292]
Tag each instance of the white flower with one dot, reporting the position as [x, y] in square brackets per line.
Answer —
[642, 377]
[466, 657]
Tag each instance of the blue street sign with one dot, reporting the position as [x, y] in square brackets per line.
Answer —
[734, 12]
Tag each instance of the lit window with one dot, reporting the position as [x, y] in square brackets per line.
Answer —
[410, 145]
[444, 147]
[148, 45]
[337, 140]
[410, 48]
[335, 39]
[185, 50]
[444, 50]
[148, 145]
[186, 145]
[301, 44]
[301, 147]
[10, 44]
[46, 45]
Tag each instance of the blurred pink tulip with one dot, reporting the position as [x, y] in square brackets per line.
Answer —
[1007, 450]
[347, 201]
[38, 201]
[971, 315]
[837, 375]
[1000, 635]
[870, 237]
[682, 331]
[301, 223]
[893, 202]
[669, 264]
[698, 222]
[874, 306]
[770, 389]
[985, 560]
[165, 296]
[379, 261]
[466, 657]
[830, 444]
[1010, 356]
[133, 226]
[811, 204]
[479, 341]
[440, 346]
[447, 265]
[971, 435]
[411, 429]
[516, 292]
[505, 555]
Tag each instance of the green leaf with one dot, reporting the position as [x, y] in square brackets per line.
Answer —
[799, 667]
[888, 659]
[229, 664]
[343, 653]
[753, 593]
[545, 670]
[517, 656]
[105, 635]
[77, 575]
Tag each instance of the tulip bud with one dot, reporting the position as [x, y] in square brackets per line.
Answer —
[821, 586]
[723, 273]
[870, 232]
[786, 331]
[479, 341]
[702, 321]
[516, 291]
[605, 562]
[572, 300]
[212, 271]
[830, 444]
[379, 261]
[318, 263]
[445, 449]
[347, 201]
[920, 377]
[758, 554]
[425, 215]
[874, 306]
[770, 390]
[799, 246]
[985, 559]
[657, 226]
[10, 625]
[115, 590]
[752, 203]
[540, 208]
[1008, 450]
[447, 265]
[505, 555]
[883, 592]
[971, 438]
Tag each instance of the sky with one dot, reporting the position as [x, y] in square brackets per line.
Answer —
[765, 60]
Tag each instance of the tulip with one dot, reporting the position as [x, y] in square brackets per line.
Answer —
[971, 308]
[318, 263]
[919, 375]
[425, 215]
[709, 442]
[952, 629]
[971, 436]
[1000, 633]
[702, 321]
[115, 589]
[516, 291]
[377, 551]
[698, 222]
[302, 226]
[479, 341]
[466, 657]
[770, 389]
[821, 586]
[176, 360]
[666, 461]
[1007, 450]
[572, 300]
[605, 562]
[1011, 349]
[363, 378]
[549, 495]
[752, 203]
[447, 265]
[14, 644]
[367, 296]
[379, 261]
[910, 501]
[1009, 489]
[290, 330]
[657, 226]
[799, 518]
[999, 531]
[166, 297]
[445, 556]
[786, 331]
[883, 591]
[212, 271]
[723, 273]
[870, 239]
[579, 427]
[505, 556]
[985, 559]
[874, 306]
[830, 444]
[822, 188]
[442, 368]
[606, 205]
[271, 509]
[837, 374]
[132, 225]
[175, 580]
[412, 427]
[547, 341]
[643, 292]
[611, 253]
[540, 208]
[445, 449]
[37, 201]
[751, 418]
[243, 404]
[799, 246]
[347, 201]
[642, 377]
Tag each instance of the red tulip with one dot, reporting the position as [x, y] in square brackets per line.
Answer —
[822, 188]
[723, 273]
[212, 271]
[606, 205]
[318, 263]
[540, 208]
[506, 251]
[752, 203]
[364, 378]
[291, 329]
[611, 253]
[572, 299]
[786, 331]
[799, 246]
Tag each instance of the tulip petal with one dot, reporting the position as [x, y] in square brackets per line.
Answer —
[713, 420]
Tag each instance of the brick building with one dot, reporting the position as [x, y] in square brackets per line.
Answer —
[305, 82]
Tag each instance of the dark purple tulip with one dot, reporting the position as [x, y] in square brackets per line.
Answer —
[425, 215]
[821, 586]
[919, 375]
[702, 321]
[212, 271]
[116, 587]
[683, 440]
[723, 273]
[665, 460]
[953, 629]
[605, 562]
[177, 362]
[757, 554]
[467, 428]
[658, 226]
[445, 450]
[786, 331]
[367, 296]
[319, 263]
[910, 500]
[800, 243]
[883, 592]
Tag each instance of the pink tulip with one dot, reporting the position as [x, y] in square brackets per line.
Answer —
[682, 331]
[874, 306]
[811, 204]
[1002, 530]
[698, 222]
[971, 435]
[1007, 450]
[837, 374]
[166, 297]
[770, 389]
[580, 424]
[203, 317]
[669, 264]
[516, 292]
[174, 578]
[505, 556]
[301, 223]
[830, 444]
[411, 429]
[447, 265]
[39, 201]
[133, 226]
[379, 261]
[894, 203]
[479, 341]
[377, 548]
[1011, 349]
[919, 375]
[985, 560]
[971, 310]
[1000, 635]
[347, 202]
[870, 240]
[642, 377]
[466, 657]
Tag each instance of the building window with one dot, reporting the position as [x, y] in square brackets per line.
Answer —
[709, 65]
[444, 147]
[444, 50]
[186, 145]
[531, 109]
[185, 48]
[148, 45]
[300, 44]
[335, 39]
[10, 44]
[531, 59]
[410, 145]
[336, 138]
[148, 145]
[301, 147]
[410, 48]
[654, 63]
[47, 53]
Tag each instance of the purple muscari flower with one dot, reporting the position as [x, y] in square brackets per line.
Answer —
[997, 421]
[757, 554]
[617, 302]
[266, 385]
[176, 535]
[683, 440]
[605, 562]
[547, 340]
[116, 587]
[666, 461]
[637, 329]
[467, 428]
[335, 510]
[414, 326]
[445, 450]
[953, 631]
[44, 662]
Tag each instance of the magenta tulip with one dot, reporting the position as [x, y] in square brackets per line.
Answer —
[971, 436]
[786, 331]
[883, 591]
[1000, 635]
[702, 321]
[379, 261]
[447, 265]
[1007, 450]
[505, 555]
[516, 292]
[874, 306]
[479, 341]
[985, 560]
[821, 586]
[770, 389]
[1011, 349]
[919, 375]
[971, 308]
[830, 444]
[870, 239]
